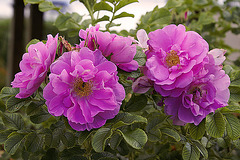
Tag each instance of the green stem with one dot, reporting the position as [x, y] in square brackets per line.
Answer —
[90, 10]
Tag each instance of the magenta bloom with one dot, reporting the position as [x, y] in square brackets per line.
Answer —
[173, 58]
[206, 94]
[34, 67]
[84, 88]
[120, 50]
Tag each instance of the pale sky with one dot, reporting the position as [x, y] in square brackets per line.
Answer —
[137, 9]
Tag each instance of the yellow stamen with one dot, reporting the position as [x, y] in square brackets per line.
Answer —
[81, 88]
[172, 58]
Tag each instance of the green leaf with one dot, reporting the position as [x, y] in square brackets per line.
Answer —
[198, 131]
[76, 17]
[83, 136]
[65, 22]
[115, 141]
[136, 103]
[33, 41]
[104, 156]
[190, 152]
[14, 104]
[123, 14]
[13, 142]
[71, 153]
[4, 135]
[205, 18]
[32, 1]
[104, 18]
[33, 142]
[123, 3]
[73, 1]
[140, 56]
[152, 128]
[68, 139]
[123, 119]
[215, 125]
[41, 116]
[173, 3]
[52, 154]
[7, 92]
[100, 138]
[34, 107]
[201, 148]
[233, 107]
[234, 93]
[233, 126]
[13, 120]
[161, 17]
[47, 5]
[136, 138]
[102, 6]
[2, 106]
[171, 133]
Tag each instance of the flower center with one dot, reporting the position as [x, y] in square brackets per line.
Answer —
[81, 88]
[172, 58]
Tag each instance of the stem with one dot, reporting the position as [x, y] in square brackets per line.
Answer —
[89, 8]
[114, 11]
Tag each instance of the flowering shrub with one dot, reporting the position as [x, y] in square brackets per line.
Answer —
[161, 96]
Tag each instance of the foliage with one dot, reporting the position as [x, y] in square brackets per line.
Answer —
[141, 130]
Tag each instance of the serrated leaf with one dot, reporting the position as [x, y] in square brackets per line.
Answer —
[7, 92]
[233, 126]
[234, 93]
[33, 41]
[104, 156]
[2, 106]
[83, 136]
[205, 18]
[104, 18]
[13, 120]
[65, 22]
[115, 141]
[154, 135]
[123, 14]
[198, 131]
[173, 3]
[14, 104]
[13, 142]
[41, 116]
[215, 125]
[140, 56]
[123, 3]
[171, 133]
[34, 107]
[102, 6]
[161, 16]
[4, 135]
[67, 154]
[136, 103]
[47, 5]
[201, 148]
[190, 152]
[136, 138]
[68, 139]
[123, 119]
[33, 142]
[51, 154]
[100, 138]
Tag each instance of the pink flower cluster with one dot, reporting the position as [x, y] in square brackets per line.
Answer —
[181, 68]
[120, 50]
[83, 84]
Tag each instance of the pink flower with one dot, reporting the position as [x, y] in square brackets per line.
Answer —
[142, 85]
[173, 58]
[34, 66]
[84, 88]
[218, 55]
[120, 50]
[142, 38]
[208, 92]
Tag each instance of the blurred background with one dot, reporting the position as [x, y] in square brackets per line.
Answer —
[19, 24]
